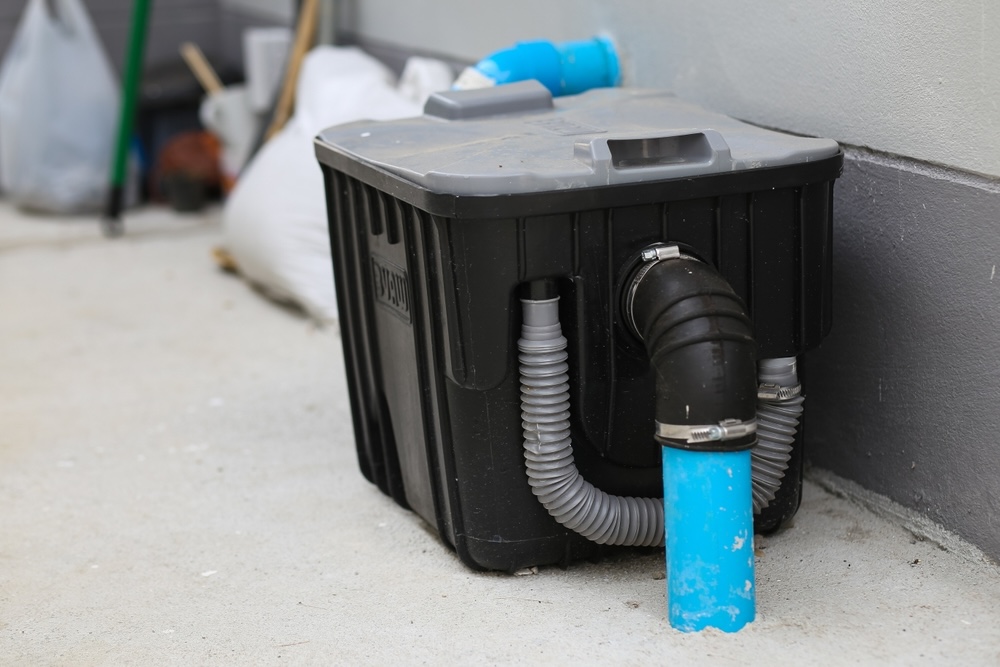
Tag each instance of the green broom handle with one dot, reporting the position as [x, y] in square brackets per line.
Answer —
[131, 82]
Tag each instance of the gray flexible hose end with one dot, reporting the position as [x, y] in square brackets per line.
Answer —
[779, 408]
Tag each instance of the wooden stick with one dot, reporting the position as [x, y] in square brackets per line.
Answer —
[305, 35]
[201, 68]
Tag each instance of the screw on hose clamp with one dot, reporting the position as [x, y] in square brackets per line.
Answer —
[650, 256]
[773, 392]
[660, 252]
[727, 429]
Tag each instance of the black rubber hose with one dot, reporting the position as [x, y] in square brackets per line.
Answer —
[701, 346]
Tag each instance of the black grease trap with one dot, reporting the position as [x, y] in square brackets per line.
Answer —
[439, 223]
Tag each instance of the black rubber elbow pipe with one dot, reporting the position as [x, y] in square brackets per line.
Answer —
[700, 343]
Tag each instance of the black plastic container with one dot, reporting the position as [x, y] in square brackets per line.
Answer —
[432, 241]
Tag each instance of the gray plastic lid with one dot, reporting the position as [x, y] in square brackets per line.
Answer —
[516, 139]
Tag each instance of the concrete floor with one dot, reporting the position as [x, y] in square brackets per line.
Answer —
[178, 486]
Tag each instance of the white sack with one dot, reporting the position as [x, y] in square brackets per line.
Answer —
[275, 219]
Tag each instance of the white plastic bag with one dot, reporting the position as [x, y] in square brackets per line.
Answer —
[228, 114]
[275, 219]
[58, 111]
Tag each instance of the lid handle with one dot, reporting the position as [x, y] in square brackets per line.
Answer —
[494, 101]
[679, 154]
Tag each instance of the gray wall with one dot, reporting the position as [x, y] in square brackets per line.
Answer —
[9, 13]
[215, 25]
[238, 15]
[171, 22]
[903, 397]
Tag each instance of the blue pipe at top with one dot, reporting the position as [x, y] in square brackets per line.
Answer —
[708, 516]
[565, 68]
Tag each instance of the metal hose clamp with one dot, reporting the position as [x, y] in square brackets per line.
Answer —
[650, 257]
[773, 392]
[727, 429]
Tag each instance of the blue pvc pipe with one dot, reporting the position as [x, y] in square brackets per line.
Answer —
[708, 515]
[565, 68]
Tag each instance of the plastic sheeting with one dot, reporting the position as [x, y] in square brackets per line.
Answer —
[58, 110]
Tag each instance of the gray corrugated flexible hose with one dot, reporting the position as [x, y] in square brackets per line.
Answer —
[548, 449]
[779, 407]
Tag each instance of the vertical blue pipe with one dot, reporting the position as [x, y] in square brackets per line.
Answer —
[708, 515]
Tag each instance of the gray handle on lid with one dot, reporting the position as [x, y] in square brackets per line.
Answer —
[484, 102]
[628, 159]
